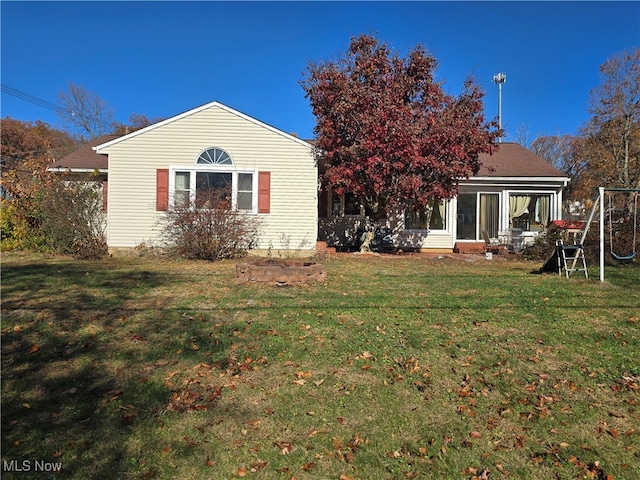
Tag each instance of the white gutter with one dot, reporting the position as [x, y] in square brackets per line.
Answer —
[564, 180]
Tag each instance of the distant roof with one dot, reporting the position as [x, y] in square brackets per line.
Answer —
[567, 224]
[85, 158]
[513, 160]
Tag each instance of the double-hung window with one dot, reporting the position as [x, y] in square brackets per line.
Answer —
[214, 178]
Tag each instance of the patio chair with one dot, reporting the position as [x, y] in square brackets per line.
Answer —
[492, 245]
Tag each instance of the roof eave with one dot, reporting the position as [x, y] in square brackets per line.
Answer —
[77, 170]
[564, 180]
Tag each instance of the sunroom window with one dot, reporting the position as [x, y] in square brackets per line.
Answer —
[529, 212]
[432, 217]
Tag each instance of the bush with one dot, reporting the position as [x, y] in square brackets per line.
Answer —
[210, 230]
[21, 225]
[74, 221]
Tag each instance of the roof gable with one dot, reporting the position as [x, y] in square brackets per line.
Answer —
[195, 111]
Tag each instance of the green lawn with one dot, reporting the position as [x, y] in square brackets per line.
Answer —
[396, 367]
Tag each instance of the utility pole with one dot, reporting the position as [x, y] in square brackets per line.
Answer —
[499, 79]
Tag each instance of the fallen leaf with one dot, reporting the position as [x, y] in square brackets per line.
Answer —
[113, 393]
[34, 348]
[308, 466]
[255, 466]
[285, 447]
[242, 472]
[254, 422]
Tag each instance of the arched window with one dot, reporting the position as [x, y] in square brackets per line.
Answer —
[214, 156]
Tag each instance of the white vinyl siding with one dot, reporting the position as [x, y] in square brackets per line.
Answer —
[253, 147]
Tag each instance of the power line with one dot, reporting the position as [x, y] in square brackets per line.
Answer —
[35, 100]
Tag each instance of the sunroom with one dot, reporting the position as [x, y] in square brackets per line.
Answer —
[515, 195]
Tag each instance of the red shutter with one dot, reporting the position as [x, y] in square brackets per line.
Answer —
[105, 195]
[162, 190]
[264, 192]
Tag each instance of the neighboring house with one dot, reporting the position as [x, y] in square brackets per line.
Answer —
[85, 164]
[513, 197]
[272, 174]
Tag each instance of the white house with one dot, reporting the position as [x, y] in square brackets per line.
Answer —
[273, 176]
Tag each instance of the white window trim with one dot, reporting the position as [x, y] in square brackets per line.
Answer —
[553, 204]
[502, 194]
[193, 169]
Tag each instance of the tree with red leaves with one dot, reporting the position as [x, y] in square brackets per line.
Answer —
[388, 132]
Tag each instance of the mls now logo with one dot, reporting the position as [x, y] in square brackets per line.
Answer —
[30, 466]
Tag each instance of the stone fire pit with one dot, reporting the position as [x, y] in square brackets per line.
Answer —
[281, 272]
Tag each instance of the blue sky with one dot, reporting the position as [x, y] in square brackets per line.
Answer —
[163, 58]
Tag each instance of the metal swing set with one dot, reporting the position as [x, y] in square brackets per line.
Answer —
[598, 205]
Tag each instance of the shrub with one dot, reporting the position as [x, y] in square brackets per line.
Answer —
[210, 230]
[21, 225]
[74, 221]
